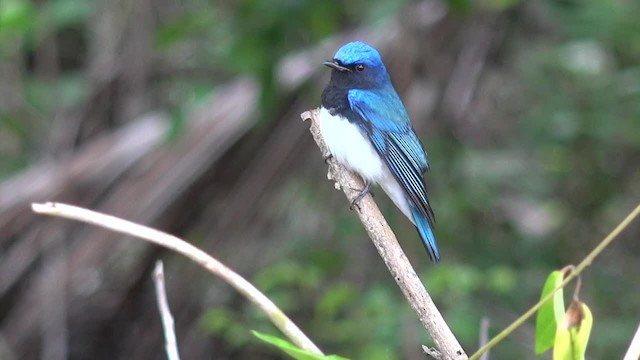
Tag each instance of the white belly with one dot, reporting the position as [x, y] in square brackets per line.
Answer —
[351, 147]
[354, 150]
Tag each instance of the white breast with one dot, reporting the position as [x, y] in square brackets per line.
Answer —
[351, 147]
[354, 150]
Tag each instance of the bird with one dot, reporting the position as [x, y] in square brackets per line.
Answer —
[367, 129]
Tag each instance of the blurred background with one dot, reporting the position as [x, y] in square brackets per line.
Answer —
[184, 115]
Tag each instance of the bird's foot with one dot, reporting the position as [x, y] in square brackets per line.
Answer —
[327, 158]
[362, 194]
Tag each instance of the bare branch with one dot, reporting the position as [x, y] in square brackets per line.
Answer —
[171, 345]
[390, 251]
[277, 317]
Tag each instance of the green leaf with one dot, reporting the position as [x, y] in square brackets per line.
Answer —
[573, 333]
[550, 314]
[293, 350]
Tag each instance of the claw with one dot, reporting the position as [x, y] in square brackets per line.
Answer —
[362, 194]
[327, 158]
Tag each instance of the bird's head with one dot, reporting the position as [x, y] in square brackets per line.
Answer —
[359, 66]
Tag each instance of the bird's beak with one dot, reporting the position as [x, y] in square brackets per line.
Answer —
[334, 65]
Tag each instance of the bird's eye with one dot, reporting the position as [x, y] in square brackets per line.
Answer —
[360, 67]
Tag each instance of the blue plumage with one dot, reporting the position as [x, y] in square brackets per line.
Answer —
[367, 128]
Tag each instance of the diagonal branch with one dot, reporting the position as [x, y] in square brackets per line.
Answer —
[391, 252]
[277, 317]
[575, 272]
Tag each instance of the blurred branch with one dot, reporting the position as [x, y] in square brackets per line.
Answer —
[484, 335]
[277, 317]
[465, 75]
[117, 152]
[574, 273]
[391, 252]
[168, 324]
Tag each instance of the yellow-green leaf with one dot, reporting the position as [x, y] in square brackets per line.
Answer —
[550, 314]
[572, 335]
[292, 350]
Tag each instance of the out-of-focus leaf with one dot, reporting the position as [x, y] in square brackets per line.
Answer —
[288, 273]
[335, 299]
[500, 5]
[572, 335]
[15, 15]
[217, 319]
[293, 350]
[227, 325]
[502, 279]
[458, 279]
[459, 5]
[185, 28]
[549, 314]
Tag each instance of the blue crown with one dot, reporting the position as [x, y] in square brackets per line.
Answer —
[358, 52]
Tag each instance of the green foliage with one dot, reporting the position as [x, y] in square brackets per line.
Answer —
[260, 32]
[617, 24]
[466, 6]
[568, 333]
[460, 5]
[292, 350]
[550, 314]
[226, 324]
[340, 311]
[334, 300]
[464, 281]
[15, 16]
[458, 287]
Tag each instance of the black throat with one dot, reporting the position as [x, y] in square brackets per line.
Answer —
[334, 96]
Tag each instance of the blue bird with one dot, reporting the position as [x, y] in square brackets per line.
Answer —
[367, 129]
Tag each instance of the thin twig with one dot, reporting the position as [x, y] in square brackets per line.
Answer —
[633, 353]
[277, 317]
[574, 273]
[484, 335]
[391, 252]
[171, 345]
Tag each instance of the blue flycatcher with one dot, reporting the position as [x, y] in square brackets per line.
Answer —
[367, 129]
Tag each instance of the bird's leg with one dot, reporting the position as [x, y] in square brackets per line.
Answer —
[327, 158]
[363, 193]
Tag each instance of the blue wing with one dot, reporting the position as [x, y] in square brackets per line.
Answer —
[384, 119]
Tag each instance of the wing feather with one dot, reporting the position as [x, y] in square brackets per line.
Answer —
[388, 127]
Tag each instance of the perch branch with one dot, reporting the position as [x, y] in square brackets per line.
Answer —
[391, 252]
[277, 317]
[171, 345]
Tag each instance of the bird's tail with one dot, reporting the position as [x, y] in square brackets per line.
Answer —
[424, 229]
